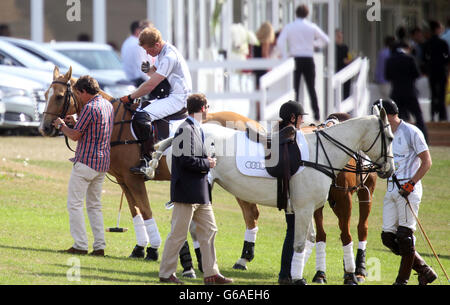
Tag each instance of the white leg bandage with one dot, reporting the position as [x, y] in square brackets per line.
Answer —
[309, 246]
[349, 258]
[250, 235]
[321, 256]
[362, 245]
[141, 232]
[297, 266]
[153, 233]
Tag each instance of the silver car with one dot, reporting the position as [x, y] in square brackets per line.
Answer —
[22, 102]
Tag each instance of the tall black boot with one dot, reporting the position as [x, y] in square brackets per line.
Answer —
[198, 254]
[426, 274]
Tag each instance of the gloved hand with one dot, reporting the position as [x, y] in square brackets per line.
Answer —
[145, 66]
[407, 188]
[126, 99]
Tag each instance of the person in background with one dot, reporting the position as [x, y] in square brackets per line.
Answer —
[402, 72]
[343, 58]
[417, 42]
[383, 84]
[266, 37]
[133, 55]
[446, 34]
[298, 39]
[436, 62]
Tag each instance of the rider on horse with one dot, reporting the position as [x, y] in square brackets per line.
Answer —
[169, 85]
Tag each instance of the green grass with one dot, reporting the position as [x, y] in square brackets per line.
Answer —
[34, 173]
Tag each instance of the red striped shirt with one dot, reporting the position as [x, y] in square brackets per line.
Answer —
[95, 122]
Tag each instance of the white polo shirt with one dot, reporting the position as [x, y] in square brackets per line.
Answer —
[408, 143]
[298, 38]
[171, 64]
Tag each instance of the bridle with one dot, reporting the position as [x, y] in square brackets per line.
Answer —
[329, 170]
[67, 96]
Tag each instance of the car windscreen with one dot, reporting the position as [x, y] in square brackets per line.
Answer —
[95, 59]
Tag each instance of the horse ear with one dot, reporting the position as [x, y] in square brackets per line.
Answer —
[383, 115]
[55, 72]
[68, 74]
[375, 110]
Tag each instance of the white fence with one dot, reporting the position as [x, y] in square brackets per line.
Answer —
[230, 86]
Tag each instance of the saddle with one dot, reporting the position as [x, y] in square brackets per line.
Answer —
[282, 157]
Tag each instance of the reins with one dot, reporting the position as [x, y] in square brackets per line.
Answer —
[329, 170]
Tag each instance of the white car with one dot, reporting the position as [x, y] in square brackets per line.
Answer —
[21, 102]
[46, 54]
[10, 55]
[103, 63]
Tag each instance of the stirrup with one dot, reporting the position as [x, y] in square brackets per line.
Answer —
[143, 169]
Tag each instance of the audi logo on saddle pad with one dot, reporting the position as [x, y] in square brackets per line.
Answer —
[254, 165]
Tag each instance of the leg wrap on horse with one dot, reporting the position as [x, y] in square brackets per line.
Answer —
[140, 231]
[153, 233]
[349, 259]
[185, 257]
[390, 241]
[248, 251]
[321, 256]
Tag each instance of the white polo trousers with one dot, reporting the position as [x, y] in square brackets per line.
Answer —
[396, 211]
[164, 107]
[87, 183]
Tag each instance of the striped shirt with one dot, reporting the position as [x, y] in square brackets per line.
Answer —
[95, 122]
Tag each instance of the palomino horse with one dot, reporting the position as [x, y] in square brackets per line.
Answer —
[310, 187]
[62, 100]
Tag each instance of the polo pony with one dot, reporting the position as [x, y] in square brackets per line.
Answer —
[310, 187]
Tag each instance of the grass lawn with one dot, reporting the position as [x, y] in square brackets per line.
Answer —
[34, 173]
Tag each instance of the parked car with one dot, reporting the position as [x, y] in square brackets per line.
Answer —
[45, 53]
[102, 62]
[10, 55]
[22, 102]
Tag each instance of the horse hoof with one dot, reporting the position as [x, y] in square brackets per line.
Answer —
[360, 278]
[138, 252]
[350, 279]
[190, 273]
[239, 267]
[152, 254]
[319, 277]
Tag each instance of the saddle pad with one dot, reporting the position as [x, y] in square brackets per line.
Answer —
[250, 155]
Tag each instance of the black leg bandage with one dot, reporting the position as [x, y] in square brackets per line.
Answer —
[248, 252]
[185, 257]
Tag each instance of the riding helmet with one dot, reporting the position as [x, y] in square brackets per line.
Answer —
[389, 105]
[289, 108]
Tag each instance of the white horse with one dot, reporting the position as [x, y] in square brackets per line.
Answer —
[308, 188]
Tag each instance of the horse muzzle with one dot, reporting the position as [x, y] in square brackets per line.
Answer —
[48, 130]
[386, 171]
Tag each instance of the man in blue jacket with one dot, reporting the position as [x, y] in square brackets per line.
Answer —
[190, 193]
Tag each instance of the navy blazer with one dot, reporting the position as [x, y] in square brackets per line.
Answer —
[190, 166]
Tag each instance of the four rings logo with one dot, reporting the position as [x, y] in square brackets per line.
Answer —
[254, 165]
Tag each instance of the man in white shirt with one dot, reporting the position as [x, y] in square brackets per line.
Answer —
[298, 39]
[412, 161]
[133, 55]
[170, 68]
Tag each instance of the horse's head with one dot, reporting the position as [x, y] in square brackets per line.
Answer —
[59, 101]
[377, 144]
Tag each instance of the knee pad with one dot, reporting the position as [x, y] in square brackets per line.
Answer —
[389, 240]
[405, 240]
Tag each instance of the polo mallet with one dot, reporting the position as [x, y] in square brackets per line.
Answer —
[118, 229]
[394, 178]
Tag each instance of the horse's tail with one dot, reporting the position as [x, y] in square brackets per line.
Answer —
[159, 147]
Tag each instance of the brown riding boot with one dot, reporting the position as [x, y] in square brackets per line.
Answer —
[425, 273]
[404, 271]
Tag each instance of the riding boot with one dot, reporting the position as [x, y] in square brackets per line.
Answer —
[425, 273]
[138, 252]
[143, 166]
[404, 271]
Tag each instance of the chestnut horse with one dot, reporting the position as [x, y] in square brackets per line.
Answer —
[63, 100]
